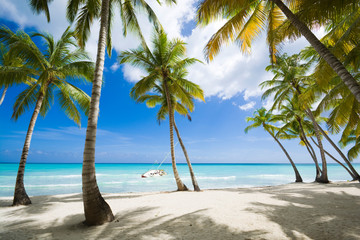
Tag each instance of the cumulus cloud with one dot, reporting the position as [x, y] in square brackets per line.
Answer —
[115, 67]
[230, 74]
[247, 106]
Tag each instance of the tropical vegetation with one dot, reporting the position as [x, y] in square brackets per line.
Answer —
[83, 13]
[166, 68]
[51, 73]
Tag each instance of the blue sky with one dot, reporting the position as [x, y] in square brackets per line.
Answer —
[128, 132]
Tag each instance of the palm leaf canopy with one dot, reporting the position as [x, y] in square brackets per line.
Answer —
[53, 71]
[165, 62]
[85, 12]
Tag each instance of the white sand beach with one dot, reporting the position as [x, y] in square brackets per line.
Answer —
[292, 211]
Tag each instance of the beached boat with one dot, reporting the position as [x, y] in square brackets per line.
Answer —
[154, 173]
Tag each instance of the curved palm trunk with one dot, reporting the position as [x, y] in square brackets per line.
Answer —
[354, 172]
[181, 186]
[310, 150]
[3, 95]
[324, 177]
[313, 155]
[297, 174]
[327, 153]
[20, 195]
[193, 178]
[97, 211]
[325, 53]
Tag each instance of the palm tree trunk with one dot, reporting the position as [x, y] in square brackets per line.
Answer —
[313, 155]
[324, 177]
[20, 195]
[297, 174]
[181, 186]
[334, 63]
[3, 95]
[310, 150]
[193, 178]
[97, 211]
[355, 173]
[327, 153]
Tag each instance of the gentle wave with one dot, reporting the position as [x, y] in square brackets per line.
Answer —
[217, 178]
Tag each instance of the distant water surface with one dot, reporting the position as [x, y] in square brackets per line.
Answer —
[49, 179]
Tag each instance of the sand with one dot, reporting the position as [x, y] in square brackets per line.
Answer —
[292, 211]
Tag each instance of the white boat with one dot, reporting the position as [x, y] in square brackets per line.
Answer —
[154, 173]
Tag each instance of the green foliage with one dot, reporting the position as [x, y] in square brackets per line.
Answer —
[165, 63]
[49, 73]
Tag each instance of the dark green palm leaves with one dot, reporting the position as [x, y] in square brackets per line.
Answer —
[54, 72]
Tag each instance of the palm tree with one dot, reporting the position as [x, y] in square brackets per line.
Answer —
[9, 64]
[290, 82]
[165, 66]
[354, 150]
[97, 211]
[248, 18]
[296, 125]
[160, 99]
[54, 69]
[264, 118]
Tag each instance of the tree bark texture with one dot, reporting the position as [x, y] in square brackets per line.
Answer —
[3, 95]
[192, 174]
[180, 185]
[97, 211]
[310, 150]
[324, 176]
[324, 52]
[20, 195]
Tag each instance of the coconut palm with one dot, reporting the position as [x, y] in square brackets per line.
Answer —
[264, 118]
[354, 151]
[165, 66]
[55, 68]
[289, 82]
[296, 125]
[160, 99]
[248, 18]
[97, 211]
[11, 65]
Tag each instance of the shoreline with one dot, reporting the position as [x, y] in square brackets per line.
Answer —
[288, 211]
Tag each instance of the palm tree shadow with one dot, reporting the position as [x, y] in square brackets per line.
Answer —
[314, 214]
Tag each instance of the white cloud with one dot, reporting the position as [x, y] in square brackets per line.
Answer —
[132, 74]
[230, 74]
[247, 106]
[115, 67]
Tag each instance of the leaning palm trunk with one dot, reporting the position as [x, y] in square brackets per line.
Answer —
[355, 173]
[334, 63]
[324, 177]
[3, 95]
[310, 150]
[297, 174]
[20, 195]
[313, 155]
[181, 186]
[97, 211]
[193, 178]
[331, 156]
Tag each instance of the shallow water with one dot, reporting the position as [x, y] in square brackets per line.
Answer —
[49, 179]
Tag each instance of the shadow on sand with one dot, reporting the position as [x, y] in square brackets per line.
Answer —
[304, 214]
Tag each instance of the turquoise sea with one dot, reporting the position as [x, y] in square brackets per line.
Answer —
[49, 179]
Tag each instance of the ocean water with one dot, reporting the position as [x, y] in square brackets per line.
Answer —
[49, 179]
